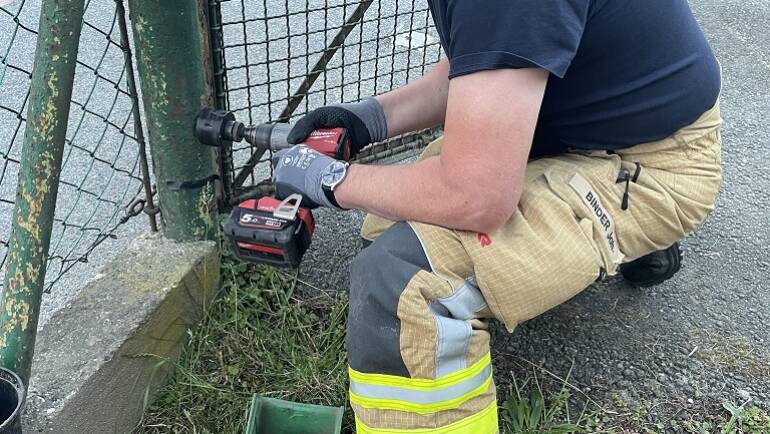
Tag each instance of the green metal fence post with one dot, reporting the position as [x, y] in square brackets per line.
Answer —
[172, 57]
[46, 128]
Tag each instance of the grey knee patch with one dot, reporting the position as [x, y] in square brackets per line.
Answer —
[378, 276]
[453, 329]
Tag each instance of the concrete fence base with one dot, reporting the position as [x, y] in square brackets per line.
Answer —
[99, 356]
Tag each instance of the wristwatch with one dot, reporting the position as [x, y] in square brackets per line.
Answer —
[331, 177]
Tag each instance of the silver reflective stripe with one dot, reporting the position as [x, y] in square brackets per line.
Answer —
[453, 330]
[421, 396]
[465, 302]
[454, 336]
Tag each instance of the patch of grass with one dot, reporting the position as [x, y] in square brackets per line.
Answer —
[751, 420]
[257, 338]
[728, 418]
[731, 352]
[532, 408]
[742, 419]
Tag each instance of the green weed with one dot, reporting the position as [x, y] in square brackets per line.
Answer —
[532, 408]
[257, 338]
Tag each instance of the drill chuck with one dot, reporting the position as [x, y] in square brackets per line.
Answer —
[267, 136]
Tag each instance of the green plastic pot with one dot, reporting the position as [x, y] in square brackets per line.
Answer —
[274, 416]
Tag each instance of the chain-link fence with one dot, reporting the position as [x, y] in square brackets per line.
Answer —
[276, 60]
[273, 61]
[100, 173]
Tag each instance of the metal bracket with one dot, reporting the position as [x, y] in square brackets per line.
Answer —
[288, 208]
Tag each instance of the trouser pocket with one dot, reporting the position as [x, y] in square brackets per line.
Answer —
[672, 196]
[587, 184]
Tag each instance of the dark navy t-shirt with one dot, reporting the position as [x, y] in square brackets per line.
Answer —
[623, 72]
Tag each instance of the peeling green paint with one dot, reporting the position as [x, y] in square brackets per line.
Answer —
[169, 52]
[48, 111]
[206, 211]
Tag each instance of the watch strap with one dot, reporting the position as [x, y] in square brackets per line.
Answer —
[329, 193]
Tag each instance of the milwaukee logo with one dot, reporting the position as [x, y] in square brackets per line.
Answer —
[320, 133]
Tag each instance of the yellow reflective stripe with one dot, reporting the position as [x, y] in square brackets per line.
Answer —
[483, 422]
[375, 391]
[395, 404]
[421, 383]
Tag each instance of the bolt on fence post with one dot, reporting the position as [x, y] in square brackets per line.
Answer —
[49, 105]
[170, 50]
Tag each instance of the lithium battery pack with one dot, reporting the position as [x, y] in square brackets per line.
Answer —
[270, 231]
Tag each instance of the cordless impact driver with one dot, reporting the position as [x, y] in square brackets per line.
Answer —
[268, 230]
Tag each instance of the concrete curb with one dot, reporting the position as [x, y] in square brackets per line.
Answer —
[101, 356]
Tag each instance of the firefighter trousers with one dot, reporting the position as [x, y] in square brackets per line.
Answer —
[421, 295]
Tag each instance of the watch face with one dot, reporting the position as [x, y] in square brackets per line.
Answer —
[333, 174]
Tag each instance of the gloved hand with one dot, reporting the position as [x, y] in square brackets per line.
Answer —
[364, 121]
[300, 169]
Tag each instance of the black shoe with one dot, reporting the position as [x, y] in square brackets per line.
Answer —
[655, 268]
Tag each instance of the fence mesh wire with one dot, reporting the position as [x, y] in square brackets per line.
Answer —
[274, 61]
[269, 52]
[100, 173]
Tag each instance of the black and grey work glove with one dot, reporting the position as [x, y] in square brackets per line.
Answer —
[364, 122]
[302, 170]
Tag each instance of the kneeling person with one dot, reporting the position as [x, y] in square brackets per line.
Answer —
[582, 138]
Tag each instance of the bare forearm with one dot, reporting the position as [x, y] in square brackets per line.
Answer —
[420, 104]
[392, 191]
[425, 192]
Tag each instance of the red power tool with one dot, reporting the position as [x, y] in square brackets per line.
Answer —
[267, 230]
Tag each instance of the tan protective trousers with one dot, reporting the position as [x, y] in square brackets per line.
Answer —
[421, 295]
